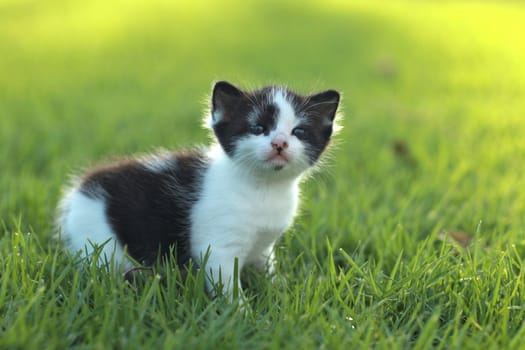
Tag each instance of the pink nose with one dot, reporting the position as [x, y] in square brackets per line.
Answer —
[279, 142]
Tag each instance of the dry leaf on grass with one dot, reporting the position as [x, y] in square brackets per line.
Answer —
[464, 239]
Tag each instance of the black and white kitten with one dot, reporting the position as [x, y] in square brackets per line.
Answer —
[232, 200]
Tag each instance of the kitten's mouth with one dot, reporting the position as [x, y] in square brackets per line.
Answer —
[277, 160]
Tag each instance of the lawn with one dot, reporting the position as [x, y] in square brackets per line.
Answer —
[412, 235]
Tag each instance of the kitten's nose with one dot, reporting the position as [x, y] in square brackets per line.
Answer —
[279, 142]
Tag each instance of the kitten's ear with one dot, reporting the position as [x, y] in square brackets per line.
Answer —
[225, 99]
[324, 104]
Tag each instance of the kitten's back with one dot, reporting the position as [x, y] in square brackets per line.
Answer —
[141, 203]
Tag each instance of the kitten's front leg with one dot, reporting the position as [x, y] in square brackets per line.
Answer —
[265, 262]
[220, 275]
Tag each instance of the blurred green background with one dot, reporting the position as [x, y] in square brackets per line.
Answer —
[433, 142]
[433, 103]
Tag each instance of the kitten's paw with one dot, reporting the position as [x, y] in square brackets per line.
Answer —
[266, 263]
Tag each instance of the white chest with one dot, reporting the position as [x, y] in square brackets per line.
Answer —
[245, 215]
[236, 204]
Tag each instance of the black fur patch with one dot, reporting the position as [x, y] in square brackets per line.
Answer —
[149, 211]
[267, 117]
[319, 111]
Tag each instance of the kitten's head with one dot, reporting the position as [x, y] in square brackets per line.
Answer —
[272, 130]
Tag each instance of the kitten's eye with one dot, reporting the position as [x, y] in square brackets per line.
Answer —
[299, 132]
[257, 129]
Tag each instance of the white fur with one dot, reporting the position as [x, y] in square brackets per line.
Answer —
[287, 118]
[239, 216]
[84, 226]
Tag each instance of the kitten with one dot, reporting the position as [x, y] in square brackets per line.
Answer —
[233, 200]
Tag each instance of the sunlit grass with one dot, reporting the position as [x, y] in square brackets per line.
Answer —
[432, 142]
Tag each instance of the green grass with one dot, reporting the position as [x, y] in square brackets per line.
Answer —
[363, 267]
